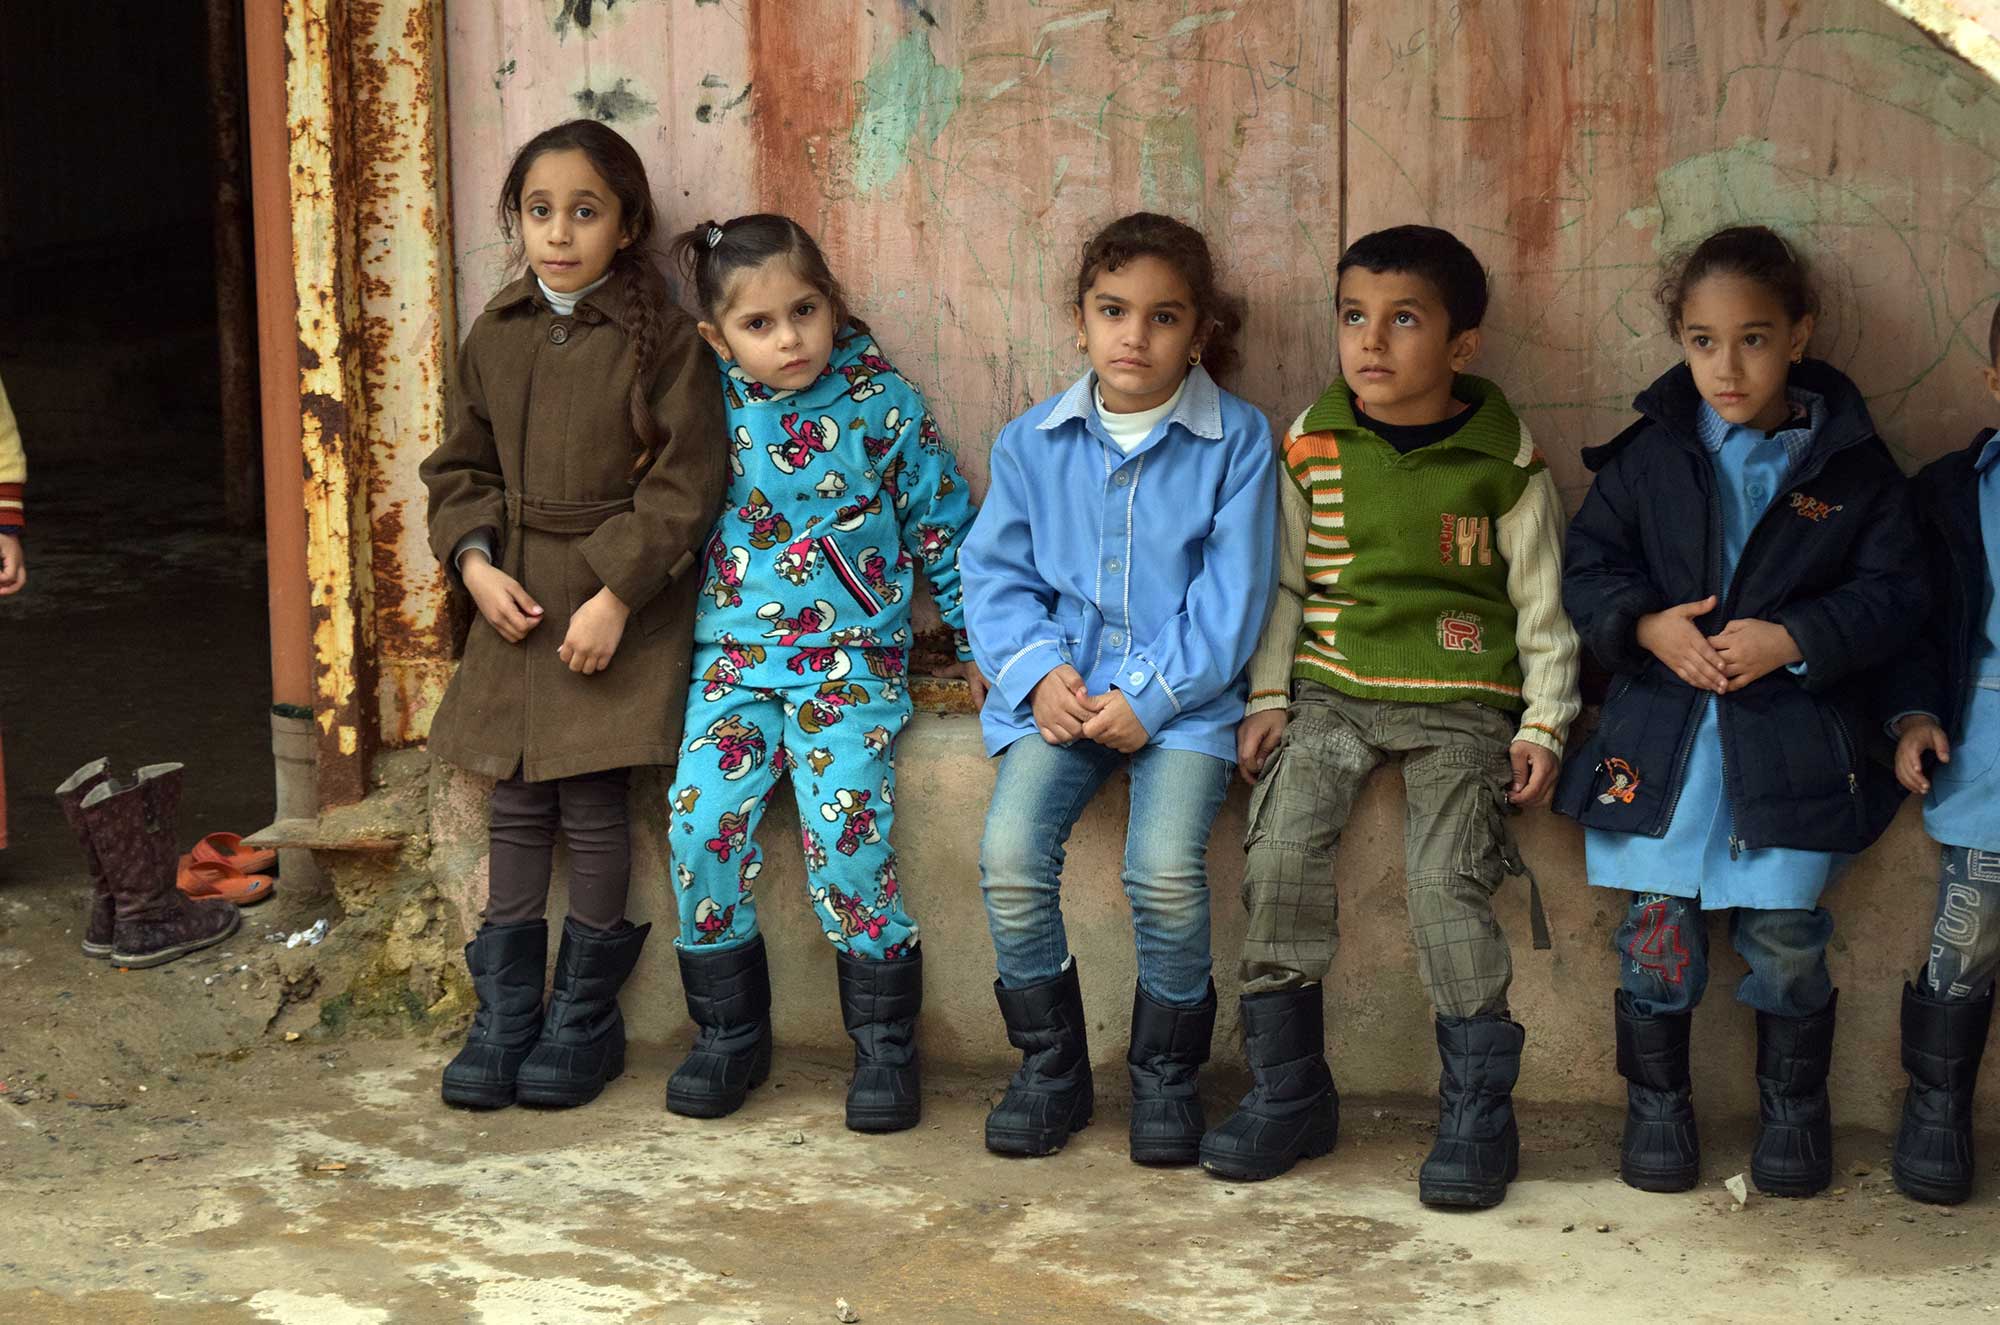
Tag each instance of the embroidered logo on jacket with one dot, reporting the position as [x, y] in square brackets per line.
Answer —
[1464, 538]
[1624, 783]
[1812, 508]
[1461, 632]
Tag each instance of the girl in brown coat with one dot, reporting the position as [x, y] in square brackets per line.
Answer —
[582, 465]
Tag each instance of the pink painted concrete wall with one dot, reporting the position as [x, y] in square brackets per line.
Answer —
[952, 156]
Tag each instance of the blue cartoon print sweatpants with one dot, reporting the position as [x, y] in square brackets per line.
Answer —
[837, 739]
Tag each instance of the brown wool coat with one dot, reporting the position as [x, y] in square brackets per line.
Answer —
[538, 451]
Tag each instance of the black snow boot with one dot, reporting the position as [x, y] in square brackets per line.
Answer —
[1292, 1111]
[582, 1045]
[879, 1002]
[1793, 1154]
[507, 964]
[1942, 1043]
[1169, 1045]
[1478, 1150]
[1052, 1094]
[729, 1000]
[1662, 1152]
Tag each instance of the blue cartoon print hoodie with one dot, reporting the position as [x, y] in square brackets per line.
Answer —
[838, 492]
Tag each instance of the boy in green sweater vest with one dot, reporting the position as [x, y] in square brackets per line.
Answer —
[1420, 617]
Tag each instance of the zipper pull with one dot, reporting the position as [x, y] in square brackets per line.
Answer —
[1735, 846]
[1853, 785]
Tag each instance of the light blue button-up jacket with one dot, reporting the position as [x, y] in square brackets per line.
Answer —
[1150, 572]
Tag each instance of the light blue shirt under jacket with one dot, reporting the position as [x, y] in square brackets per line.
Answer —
[1150, 572]
[1699, 855]
[1963, 808]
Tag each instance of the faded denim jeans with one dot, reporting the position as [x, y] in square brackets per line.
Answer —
[1663, 952]
[1041, 791]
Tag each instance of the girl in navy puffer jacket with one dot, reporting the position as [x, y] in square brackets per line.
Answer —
[1741, 562]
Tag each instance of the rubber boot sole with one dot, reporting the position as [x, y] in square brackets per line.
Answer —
[1931, 1193]
[139, 961]
[460, 1095]
[721, 1106]
[884, 1120]
[1037, 1142]
[569, 1095]
[1659, 1180]
[1321, 1132]
[1155, 1153]
[1469, 1196]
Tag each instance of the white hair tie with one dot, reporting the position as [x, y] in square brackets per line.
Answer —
[714, 236]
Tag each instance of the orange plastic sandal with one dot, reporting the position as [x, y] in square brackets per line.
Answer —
[228, 849]
[201, 879]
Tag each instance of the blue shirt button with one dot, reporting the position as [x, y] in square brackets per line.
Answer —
[1137, 678]
[1756, 492]
[1112, 565]
[1115, 640]
[1122, 479]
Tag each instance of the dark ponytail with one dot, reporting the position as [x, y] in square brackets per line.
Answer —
[709, 256]
[1754, 252]
[646, 301]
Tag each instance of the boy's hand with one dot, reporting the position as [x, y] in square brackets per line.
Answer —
[1115, 725]
[1534, 774]
[975, 680]
[500, 598]
[1673, 638]
[13, 565]
[1062, 704]
[1916, 734]
[1257, 738]
[1752, 649]
[594, 633]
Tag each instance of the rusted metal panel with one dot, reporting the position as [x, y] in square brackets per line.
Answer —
[406, 331]
[1574, 145]
[333, 407]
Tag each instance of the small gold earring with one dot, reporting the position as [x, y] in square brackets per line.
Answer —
[1194, 359]
[1080, 347]
[1800, 357]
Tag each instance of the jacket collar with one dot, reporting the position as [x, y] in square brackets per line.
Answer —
[855, 362]
[1985, 451]
[1199, 411]
[1493, 429]
[1675, 404]
[608, 299]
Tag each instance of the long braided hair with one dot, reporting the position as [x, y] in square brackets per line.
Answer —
[614, 159]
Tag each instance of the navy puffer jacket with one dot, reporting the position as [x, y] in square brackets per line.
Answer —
[1834, 559]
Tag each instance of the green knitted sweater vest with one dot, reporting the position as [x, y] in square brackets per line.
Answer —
[1406, 588]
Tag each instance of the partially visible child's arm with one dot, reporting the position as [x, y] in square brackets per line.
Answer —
[934, 525]
[13, 483]
[1605, 585]
[1531, 543]
[1270, 670]
[1203, 649]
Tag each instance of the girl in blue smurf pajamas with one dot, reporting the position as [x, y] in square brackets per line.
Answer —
[841, 488]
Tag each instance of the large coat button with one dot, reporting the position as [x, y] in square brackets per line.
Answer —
[558, 334]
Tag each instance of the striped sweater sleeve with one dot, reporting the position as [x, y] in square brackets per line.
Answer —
[1530, 538]
[1271, 665]
[13, 469]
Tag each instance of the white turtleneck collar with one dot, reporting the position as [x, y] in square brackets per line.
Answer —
[565, 304]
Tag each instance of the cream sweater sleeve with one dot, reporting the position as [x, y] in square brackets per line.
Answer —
[13, 465]
[1530, 538]
[1271, 664]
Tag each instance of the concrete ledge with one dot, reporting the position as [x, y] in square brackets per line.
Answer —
[1379, 1022]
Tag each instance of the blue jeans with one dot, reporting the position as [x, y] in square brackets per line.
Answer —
[1041, 791]
[1663, 947]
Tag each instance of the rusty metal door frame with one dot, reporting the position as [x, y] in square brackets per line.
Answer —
[322, 93]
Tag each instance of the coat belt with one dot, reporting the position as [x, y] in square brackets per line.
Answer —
[561, 517]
